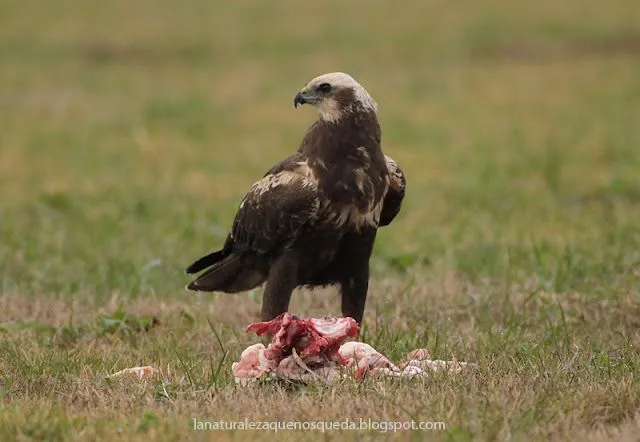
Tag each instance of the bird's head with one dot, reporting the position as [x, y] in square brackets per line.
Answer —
[335, 95]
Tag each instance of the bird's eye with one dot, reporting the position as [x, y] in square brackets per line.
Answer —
[324, 88]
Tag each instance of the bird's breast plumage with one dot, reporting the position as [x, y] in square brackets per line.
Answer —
[352, 193]
[352, 176]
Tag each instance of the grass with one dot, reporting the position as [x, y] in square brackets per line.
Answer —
[129, 132]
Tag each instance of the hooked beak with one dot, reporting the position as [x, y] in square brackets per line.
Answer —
[299, 100]
[305, 96]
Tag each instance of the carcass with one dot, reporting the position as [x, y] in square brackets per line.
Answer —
[308, 349]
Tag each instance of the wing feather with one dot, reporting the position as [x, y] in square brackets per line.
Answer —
[395, 194]
[274, 210]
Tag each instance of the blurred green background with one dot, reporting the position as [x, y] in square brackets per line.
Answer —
[129, 131]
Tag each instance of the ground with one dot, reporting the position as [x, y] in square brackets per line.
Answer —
[130, 131]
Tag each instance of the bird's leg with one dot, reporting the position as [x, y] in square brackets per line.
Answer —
[354, 295]
[282, 280]
[355, 252]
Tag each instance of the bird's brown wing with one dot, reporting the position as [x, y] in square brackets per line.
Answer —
[274, 210]
[395, 194]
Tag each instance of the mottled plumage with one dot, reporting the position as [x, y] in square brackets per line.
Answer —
[312, 219]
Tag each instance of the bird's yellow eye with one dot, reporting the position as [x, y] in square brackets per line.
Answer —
[324, 88]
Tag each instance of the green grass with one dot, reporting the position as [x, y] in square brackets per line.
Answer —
[130, 131]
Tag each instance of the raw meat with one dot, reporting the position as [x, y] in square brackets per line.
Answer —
[312, 349]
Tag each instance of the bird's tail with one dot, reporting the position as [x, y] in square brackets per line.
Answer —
[229, 272]
[206, 261]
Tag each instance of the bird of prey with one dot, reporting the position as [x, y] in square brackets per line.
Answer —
[312, 219]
